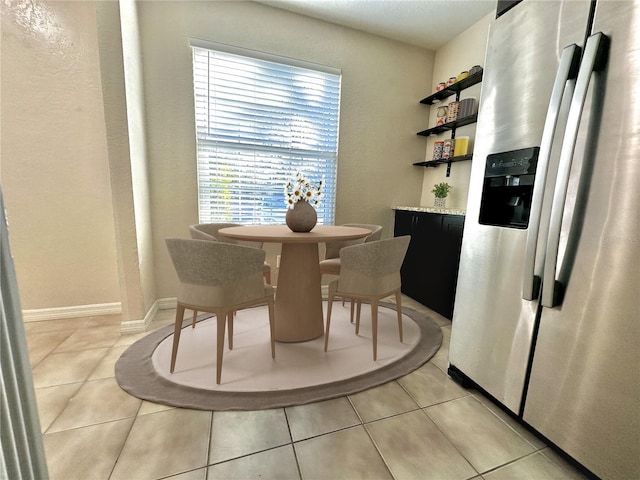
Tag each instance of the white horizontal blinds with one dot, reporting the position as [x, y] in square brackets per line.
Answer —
[257, 123]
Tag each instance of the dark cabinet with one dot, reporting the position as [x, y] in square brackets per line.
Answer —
[430, 269]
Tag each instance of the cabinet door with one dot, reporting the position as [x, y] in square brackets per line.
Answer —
[417, 279]
[405, 223]
[452, 228]
[428, 240]
[430, 268]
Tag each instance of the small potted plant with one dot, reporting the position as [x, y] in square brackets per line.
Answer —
[441, 190]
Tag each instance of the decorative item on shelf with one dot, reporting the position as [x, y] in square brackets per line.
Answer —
[464, 74]
[448, 148]
[441, 86]
[451, 81]
[475, 69]
[441, 113]
[301, 196]
[461, 146]
[441, 190]
[452, 111]
[467, 107]
[438, 147]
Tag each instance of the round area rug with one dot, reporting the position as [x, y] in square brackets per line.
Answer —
[301, 372]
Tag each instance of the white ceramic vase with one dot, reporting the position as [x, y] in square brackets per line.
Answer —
[440, 202]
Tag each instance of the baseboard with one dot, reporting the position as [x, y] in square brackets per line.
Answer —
[139, 326]
[57, 313]
[127, 327]
[167, 303]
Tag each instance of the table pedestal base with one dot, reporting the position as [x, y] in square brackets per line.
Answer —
[299, 308]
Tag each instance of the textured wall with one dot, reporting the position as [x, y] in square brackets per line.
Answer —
[461, 53]
[382, 82]
[133, 72]
[54, 168]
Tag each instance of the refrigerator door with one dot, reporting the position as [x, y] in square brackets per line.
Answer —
[492, 325]
[584, 390]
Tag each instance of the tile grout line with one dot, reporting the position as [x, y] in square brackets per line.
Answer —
[209, 443]
[375, 445]
[424, 410]
[292, 443]
[50, 351]
[124, 441]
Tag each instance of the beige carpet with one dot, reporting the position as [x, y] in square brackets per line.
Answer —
[300, 373]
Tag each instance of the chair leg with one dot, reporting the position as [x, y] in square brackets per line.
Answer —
[399, 308]
[326, 333]
[230, 316]
[193, 321]
[221, 322]
[374, 327]
[358, 309]
[270, 303]
[351, 314]
[176, 335]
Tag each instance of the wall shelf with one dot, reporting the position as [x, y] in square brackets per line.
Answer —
[448, 161]
[435, 163]
[450, 125]
[453, 89]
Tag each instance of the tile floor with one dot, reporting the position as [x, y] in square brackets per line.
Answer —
[421, 426]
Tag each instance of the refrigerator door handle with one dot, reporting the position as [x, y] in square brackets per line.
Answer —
[567, 70]
[592, 61]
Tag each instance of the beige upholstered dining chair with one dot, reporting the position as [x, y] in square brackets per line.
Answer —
[370, 271]
[219, 278]
[209, 231]
[331, 263]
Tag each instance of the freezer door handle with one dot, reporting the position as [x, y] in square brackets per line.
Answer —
[593, 60]
[567, 70]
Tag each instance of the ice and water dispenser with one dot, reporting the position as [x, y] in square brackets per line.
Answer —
[508, 188]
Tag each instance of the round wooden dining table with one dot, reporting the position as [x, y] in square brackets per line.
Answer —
[298, 302]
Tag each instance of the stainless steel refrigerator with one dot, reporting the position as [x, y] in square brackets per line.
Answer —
[547, 310]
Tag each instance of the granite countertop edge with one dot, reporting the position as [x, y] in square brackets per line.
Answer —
[442, 211]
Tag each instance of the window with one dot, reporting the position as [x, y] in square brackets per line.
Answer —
[258, 122]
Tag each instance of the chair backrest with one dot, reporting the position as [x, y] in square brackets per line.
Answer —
[372, 268]
[209, 231]
[333, 248]
[201, 232]
[216, 273]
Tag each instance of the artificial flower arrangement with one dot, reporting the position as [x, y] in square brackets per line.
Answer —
[301, 189]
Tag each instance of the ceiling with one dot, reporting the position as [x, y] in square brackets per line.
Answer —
[425, 23]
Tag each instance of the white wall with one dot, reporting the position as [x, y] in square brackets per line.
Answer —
[55, 162]
[382, 81]
[54, 170]
[136, 121]
[461, 53]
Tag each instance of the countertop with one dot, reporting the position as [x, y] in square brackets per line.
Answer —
[442, 211]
